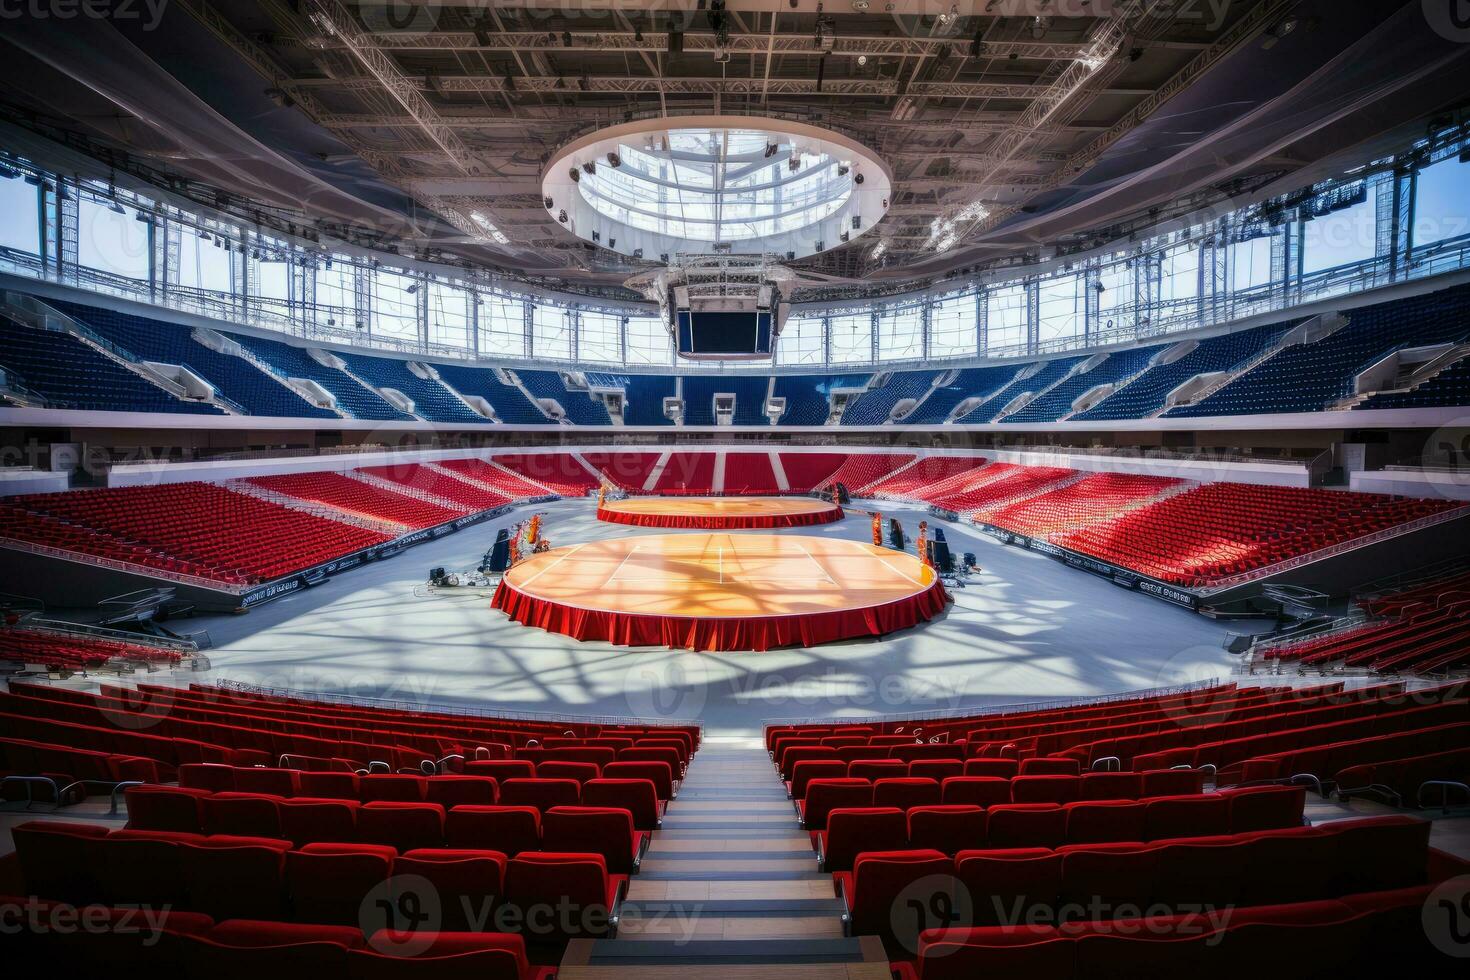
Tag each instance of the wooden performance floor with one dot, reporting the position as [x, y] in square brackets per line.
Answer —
[720, 506]
[717, 575]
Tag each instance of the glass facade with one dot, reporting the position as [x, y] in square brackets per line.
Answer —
[1396, 219]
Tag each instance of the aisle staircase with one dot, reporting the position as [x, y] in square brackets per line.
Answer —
[729, 888]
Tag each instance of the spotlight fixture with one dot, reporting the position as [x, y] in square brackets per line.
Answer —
[562, 217]
[772, 149]
[613, 160]
[676, 42]
[663, 257]
[612, 243]
[794, 163]
[413, 287]
[637, 253]
[566, 39]
[590, 166]
[548, 202]
[596, 236]
[844, 236]
[843, 168]
[576, 174]
[977, 46]
[857, 221]
[857, 178]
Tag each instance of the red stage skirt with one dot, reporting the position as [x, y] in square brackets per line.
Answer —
[718, 634]
[720, 522]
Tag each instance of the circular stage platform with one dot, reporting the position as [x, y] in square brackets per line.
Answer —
[720, 513]
[721, 591]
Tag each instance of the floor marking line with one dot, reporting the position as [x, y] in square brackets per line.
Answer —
[620, 567]
[819, 565]
[884, 562]
[554, 564]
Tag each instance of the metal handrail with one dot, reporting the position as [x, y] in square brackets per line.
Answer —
[468, 711]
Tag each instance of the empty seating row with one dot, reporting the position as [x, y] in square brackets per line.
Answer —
[639, 795]
[1370, 934]
[1107, 881]
[561, 473]
[528, 818]
[360, 498]
[63, 651]
[986, 823]
[229, 877]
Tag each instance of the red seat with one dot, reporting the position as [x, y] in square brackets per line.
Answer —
[577, 883]
[946, 828]
[1003, 768]
[579, 771]
[925, 881]
[328, 883]
[976, 790]
[825, 795]
[1026, 825]
[638, 796]
[1265, 807]
[1046, 789]
[251, 814]
[1173, 782]
[326, 785]
[804, 772]
[453, 791]
[1112, 786]
[543, 794]
[1100, 821]
[246, 882]
[164, 808]
[395, 788]
[906, 792]
[443, 956]
[1050, 767]
[1001, 882]
[508, 829]
[875, 769]
[467, 884]
[659, 773]
[850, 831]
[501, 769]
[1186, 816]
[936, 769]
[275, 782]
[306, 820]
[594, 830]
[212, 776]
[1110, 875]
[404, 826]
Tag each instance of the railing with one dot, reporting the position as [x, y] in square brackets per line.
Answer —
[1330, 551]
[123, 566]
[465, 710]
[121, 636]
[1202, 456]
[960, 714]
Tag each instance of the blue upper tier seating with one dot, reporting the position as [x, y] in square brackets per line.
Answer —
[294, 362]
[581, 407]
[808, 396]
[749, 392]
[1056, 403]
[1311, 377]
[1050, 373]
[430, 399]
[874, 407]
[70, 374]
[1450, 387]
[969, 383]
[510, 403]
[171, 343]
[1146, 394]
[644, 394]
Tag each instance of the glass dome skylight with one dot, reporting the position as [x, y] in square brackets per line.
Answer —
[716, 184]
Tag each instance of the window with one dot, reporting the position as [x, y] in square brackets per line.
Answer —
[599, 339]
[1179, 278]
[395, 305]
[205, 261]
[649, 341]
[551, 332]
[1441, 202]
[502, 326]
[111, 239]
[952, 326]
[1061, 311]
[1005, 325]
[800, 341]
[1115, 302]
[20, 215]
[336, 300]
[1341, 237]
[1250, 263]
[851, 338]
[449, 315]
[901, 334]
[270, 279]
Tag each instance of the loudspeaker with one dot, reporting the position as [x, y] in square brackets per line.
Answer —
[895, 534]
[939, 555]
[970, 560]
[436, 576]
[498, 560]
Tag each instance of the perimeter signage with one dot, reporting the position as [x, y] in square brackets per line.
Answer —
[1120, 575]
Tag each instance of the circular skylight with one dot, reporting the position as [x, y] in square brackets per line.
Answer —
[705, 184]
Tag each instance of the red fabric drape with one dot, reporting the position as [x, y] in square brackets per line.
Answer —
[720, 522]
[718, 634]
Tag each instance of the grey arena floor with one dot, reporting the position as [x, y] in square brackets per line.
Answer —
[1026, 629]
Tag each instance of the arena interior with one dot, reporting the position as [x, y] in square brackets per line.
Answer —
[770, 489]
